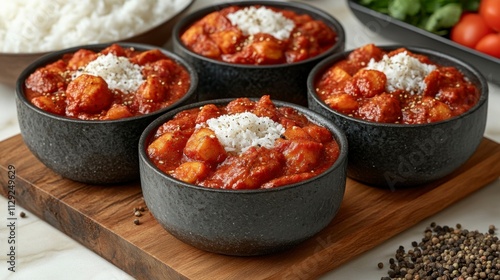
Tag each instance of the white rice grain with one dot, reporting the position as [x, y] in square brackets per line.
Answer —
[118, 72]
[403, 72]
[238, 132]
[39, 25]
[252, 20]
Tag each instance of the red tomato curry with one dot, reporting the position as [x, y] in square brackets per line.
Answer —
[160, 82]
[196, 156]
[214, 36]
[350, 88]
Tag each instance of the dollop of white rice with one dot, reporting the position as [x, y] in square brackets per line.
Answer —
[403, 72]
[252, 20]
[118, 72]
[238, 132]
[45, 25]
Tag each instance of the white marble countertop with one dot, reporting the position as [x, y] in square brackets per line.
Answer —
[43, 252]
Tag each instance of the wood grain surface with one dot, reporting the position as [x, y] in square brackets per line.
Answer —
[101, 218]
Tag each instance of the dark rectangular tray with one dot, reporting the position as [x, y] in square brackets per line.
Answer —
[410, 35]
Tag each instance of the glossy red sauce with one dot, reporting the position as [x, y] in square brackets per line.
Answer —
[352, 90]
[196, 156]
[53, 88]
[215, 37]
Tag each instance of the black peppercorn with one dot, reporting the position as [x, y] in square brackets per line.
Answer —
[491, 229]
[449, 253]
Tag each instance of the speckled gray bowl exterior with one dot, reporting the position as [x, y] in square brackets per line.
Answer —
[285, 82]
[399, 156]
[94, 152]
[243, 222]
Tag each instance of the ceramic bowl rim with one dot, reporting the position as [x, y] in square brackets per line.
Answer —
[337, 134]
[306, 8]
[323, 65]
[54, 56]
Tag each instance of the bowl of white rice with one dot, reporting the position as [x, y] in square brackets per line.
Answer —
[397, 143]
[30, 29]
[260, 48]
[241, 221]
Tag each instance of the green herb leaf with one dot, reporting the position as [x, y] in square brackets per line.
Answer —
[401, 9]
[437, 16]
[444, 17]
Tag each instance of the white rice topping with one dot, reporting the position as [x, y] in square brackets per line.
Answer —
[238, 132]
[403, 72]
[252, 20]
[118, 72]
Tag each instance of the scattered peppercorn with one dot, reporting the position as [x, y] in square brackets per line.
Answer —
[380, 265]
[22, 215]
[138, 213]
[448, 253]
[491, 229]
[140, 209]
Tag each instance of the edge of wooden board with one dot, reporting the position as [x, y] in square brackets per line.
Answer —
[117, 239]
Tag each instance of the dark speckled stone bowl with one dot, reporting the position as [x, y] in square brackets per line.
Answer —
[285, 82]
[243, 222]
[397, 155]
[94, 152]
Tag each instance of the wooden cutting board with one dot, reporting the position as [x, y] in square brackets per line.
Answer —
[101, 218]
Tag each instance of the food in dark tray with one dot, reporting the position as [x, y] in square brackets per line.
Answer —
[434, 16]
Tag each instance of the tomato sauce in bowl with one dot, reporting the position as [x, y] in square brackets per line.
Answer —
[230, 210]
[209, 146]
[86, 127]
[114, 83]
[396, 86]
[255, 62]
[407, 132]
[258, 35]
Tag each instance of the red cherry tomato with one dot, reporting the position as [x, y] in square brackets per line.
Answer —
[490, 44]
[470, 29]
[490, 11]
